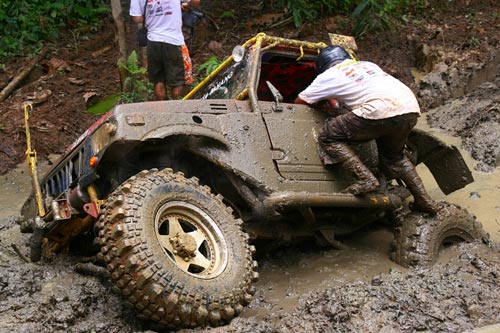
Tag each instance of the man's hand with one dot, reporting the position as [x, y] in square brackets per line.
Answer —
[187, 5]
[330, 106]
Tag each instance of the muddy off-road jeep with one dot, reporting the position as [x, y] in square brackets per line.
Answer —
[176, 194]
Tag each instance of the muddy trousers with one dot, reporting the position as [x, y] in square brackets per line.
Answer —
[405, 170]
[365, 181]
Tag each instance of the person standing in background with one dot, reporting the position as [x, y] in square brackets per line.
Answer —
[169, 64]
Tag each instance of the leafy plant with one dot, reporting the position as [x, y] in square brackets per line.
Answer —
[25, 24]
[105, 105]
[210, 65]
[135, 87]
[474, 42]
[371, 15]
[227, 14]
[303, 10]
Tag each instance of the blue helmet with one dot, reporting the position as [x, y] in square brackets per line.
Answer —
[330, 54]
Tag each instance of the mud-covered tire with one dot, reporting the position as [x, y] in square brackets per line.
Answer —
[137, 222]
[418, 237]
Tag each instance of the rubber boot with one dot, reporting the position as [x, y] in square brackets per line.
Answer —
[365, 181]
[405, 170]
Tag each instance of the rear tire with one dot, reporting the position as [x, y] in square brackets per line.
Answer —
[418, 237]
[176, 251]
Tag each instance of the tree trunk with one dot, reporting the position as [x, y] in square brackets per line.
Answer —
[116, 9]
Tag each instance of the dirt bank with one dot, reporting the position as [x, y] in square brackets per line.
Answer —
[475, 118]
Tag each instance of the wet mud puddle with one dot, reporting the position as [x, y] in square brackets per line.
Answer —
[293, 272]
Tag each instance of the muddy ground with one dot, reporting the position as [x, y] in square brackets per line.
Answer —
[448, 55]
[458, 294]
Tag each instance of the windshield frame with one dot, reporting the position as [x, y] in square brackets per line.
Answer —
[254, 48]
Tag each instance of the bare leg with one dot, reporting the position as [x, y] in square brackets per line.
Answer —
[160, 91]
[179, 92]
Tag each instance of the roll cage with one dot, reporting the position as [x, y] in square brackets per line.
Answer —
[260, 59]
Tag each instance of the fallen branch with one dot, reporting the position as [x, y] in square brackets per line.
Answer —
[20, 254]
[101, 51]
[91, 269]
[13, 84]
[211, 20]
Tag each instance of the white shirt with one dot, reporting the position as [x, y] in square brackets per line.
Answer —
[365, 89]
[163, 19]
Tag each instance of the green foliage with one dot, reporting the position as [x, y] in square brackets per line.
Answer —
[227, 14]
[135, 88]
[367, 15]
[372, 15]
[210, 65]
[303, 10]
[105, 105]
[26, 23]
[474, 42]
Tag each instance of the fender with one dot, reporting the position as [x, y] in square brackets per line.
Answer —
[186, 130]
[443, 160]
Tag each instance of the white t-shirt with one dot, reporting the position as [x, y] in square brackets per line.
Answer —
[163, 19]
[365, 89]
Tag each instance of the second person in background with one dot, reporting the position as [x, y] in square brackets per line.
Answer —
[169, 64]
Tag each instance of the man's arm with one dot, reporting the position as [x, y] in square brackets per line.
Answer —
[299, 100]
[136, 11]
[138, 19]
[330, 106]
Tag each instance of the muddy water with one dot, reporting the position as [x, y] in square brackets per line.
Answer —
[15, 188]
[481, 198]
[287, 276]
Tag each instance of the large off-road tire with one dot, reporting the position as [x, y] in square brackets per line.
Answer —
[419, 237]
[175, 251]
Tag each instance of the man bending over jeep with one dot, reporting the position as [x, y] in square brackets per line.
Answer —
[383, 108]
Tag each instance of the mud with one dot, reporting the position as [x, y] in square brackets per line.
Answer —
[452, 297]
[50, 296]
[476, 119]
[304, 288]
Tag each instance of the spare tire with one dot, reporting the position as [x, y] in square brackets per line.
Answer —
[418, 237]
[175, 251]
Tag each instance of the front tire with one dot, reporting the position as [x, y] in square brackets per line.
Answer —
[418, 237]
[176, 251]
